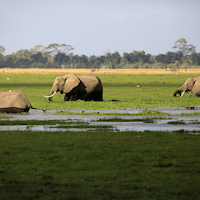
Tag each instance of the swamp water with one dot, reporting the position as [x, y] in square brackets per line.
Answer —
[160, 124]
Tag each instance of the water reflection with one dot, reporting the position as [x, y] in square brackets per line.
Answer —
[117, 126]
[47, 128]
[158, 125]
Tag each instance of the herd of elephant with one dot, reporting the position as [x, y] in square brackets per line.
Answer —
[85, 87]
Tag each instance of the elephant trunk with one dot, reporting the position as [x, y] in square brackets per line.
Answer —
[177, 92]
[198, 94]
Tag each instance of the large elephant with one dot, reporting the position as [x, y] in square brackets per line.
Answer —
[85, 87]
[191, 85]
[14, 102]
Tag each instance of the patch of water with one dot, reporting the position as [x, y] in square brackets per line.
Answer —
[170, 110]
[158, 125]
[47, 128]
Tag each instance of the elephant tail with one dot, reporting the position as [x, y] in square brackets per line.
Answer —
[38, 109]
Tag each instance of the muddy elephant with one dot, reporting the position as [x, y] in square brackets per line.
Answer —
[191, 85]
[85, 87]
[14, 102]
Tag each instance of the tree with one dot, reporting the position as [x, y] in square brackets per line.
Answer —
[23, 53]
[97, 64]
[127, 56]
[2, 49]
[182, 47]
[38, 48]
[113, 59]
[123, 62]
[195, 57]
[59, 48]
[39, 58]
[84, 59]
[23, 63]
[160, 58]
[61, 58]
[9, 60]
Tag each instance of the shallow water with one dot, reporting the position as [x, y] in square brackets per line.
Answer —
[158, 125]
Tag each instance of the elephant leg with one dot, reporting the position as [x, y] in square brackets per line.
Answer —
[66, 98]
[95, 95]
[74, 97]
[99, 96]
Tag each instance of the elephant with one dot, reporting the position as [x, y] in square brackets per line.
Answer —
[191, 85]
[14, 102]
[84, 87]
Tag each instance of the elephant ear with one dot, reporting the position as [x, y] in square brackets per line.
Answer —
[71, 81]
[196, 87]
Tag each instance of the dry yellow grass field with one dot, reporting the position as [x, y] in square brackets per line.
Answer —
[100, 71]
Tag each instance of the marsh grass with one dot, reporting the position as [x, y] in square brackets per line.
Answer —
[142, 113]
[120, 91]
[99, 164]
[38, 122]
[177, 122]
[83, 126]
[182, 122]
[144, 120]
[145, 113]
[5, 116]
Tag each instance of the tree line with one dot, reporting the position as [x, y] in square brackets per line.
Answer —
[61, 56]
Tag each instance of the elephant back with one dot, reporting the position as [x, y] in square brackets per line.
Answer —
[14, 100]
[90, 82]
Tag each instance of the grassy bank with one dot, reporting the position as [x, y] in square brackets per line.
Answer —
[120, 91]
[99, 165]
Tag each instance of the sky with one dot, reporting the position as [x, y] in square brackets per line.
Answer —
[94, 27]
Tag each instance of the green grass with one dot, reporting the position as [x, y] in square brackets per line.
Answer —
[155, 91]
[5, 116]
[99, 165]
[142, 113]
[38, 122]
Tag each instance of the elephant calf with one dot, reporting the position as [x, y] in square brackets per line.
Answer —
[14, 102]
[191, 85]
[85, 87]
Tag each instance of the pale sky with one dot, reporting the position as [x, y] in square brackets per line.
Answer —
[93, 27]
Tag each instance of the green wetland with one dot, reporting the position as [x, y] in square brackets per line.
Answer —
[120, 91]
[101, 163]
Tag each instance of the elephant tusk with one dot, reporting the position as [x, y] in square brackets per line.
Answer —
[183, 93]
[49, 95]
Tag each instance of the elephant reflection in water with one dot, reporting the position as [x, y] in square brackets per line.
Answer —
[191, 85]
[85, 87]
